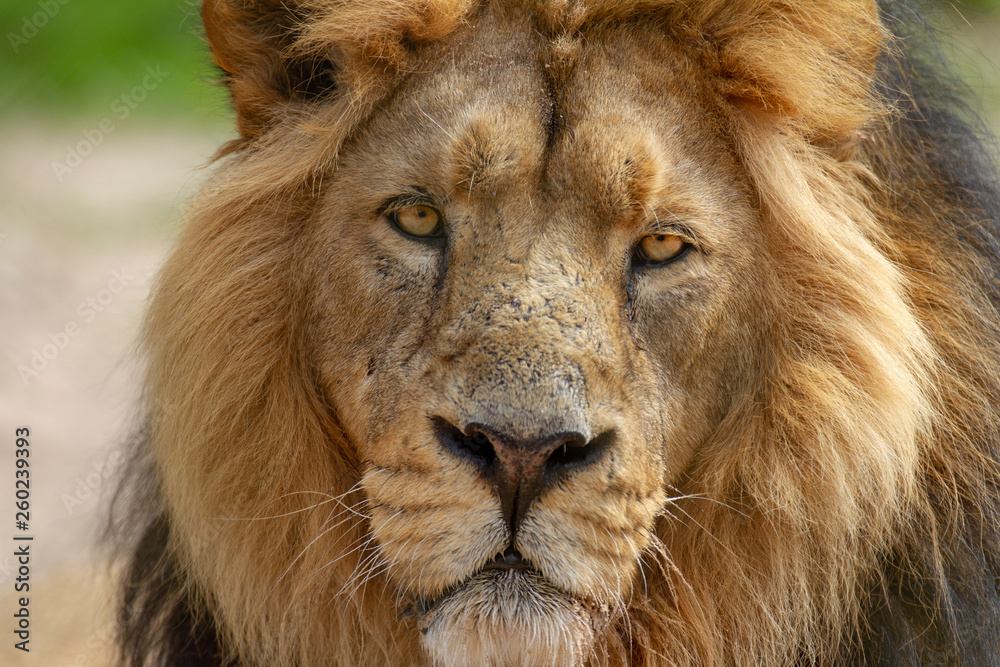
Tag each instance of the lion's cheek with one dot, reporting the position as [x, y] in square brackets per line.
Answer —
[432, 530]
[590, 544]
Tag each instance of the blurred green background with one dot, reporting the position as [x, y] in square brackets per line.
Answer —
[63, 58]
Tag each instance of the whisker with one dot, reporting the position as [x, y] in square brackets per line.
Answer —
[449, 134]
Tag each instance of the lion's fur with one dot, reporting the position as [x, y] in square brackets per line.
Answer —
[842, 507]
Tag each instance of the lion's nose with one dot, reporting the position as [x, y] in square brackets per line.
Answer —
[521, 470]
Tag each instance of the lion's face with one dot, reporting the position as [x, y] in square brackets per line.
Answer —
[530, 308]
[538, 333]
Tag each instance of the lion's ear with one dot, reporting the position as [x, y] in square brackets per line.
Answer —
[812, 62]
[279, 55]
[254, 43]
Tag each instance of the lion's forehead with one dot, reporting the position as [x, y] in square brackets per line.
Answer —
[496, 118]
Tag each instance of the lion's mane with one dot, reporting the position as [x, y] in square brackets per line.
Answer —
[844, 511]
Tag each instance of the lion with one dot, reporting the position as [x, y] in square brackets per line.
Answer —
[557, 333]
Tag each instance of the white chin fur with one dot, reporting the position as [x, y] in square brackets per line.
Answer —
[510, 619]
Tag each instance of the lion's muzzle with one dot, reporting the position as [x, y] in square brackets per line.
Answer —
[521, 469]
[519, 400]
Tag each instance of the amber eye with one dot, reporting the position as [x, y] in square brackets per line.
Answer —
[658, 248]
[418, 220]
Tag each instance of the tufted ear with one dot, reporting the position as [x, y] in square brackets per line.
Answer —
[809, 62]
[253, 43]
[283, 55]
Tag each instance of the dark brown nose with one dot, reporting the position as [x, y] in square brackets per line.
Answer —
[521, 470]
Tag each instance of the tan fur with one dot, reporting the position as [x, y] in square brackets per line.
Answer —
[785, 400]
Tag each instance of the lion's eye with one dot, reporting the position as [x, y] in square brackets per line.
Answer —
[660, 248]
[418, 220]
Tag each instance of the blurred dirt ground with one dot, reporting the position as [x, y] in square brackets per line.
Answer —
[77, 257]
[78, 252]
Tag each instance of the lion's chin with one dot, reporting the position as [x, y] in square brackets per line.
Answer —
[508, 618]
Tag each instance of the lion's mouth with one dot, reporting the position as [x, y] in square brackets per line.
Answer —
[507, 585]
[510, 560]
